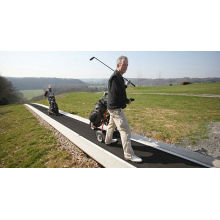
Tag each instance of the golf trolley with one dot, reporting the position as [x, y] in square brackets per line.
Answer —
[53, 108]
[99, 119]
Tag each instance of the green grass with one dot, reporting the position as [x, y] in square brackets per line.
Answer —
[80, 103]
[172, 118]
[200, 88]
[165, 118]
[29, 94]
[25, 143]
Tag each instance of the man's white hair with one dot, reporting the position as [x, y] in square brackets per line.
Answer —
[121, 58]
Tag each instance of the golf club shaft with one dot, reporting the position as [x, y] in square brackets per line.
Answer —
[111, 69]
[104, 63]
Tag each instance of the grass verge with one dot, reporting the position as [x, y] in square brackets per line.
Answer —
[199, 88]
[25, 143]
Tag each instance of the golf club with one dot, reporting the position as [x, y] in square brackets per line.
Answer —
[110, 69]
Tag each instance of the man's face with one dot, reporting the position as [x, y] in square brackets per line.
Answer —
[122, 66]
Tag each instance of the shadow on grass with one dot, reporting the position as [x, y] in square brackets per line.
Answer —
[74, 113]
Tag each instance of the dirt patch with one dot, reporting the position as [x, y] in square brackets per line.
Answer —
[209, 146]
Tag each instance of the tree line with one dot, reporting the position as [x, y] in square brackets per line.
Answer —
[8, 93]
[33, 83]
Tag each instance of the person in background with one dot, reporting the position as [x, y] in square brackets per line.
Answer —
[49, 93]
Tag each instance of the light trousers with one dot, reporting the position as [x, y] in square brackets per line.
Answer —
[118, 119]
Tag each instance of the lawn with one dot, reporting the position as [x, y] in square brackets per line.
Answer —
[165, 118]
[199, 88]
[29, 94]
[172, 118]
[25, 143]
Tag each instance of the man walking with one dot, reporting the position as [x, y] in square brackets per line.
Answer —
[117, 100]
[49, 94]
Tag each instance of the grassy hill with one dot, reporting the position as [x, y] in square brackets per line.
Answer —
[166, 118]
[25, 143]
[29, 94]
[199, 88]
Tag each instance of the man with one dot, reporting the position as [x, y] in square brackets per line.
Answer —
[117, 100]
[49, 93]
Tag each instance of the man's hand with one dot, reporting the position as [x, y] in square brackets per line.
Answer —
[131, 100]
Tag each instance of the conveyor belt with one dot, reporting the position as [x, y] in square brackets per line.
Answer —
[152, 157]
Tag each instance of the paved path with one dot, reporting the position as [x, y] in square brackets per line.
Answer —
[151, 157]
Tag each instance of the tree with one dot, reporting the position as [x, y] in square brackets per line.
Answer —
[8, 94]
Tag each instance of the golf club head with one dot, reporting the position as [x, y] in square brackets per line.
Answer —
[91, 58]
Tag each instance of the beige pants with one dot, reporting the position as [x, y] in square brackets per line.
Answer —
[118, 119]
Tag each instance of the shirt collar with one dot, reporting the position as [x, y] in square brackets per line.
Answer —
[118, 73]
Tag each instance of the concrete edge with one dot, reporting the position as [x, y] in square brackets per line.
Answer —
[181, 152]
[68, 114]
[102, 156]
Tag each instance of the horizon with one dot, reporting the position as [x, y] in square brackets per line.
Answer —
[142, 64]
[108, 78]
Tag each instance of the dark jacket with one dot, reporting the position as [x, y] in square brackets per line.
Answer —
[117, 97]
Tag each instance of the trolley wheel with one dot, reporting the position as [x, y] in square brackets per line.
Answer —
[100, 136]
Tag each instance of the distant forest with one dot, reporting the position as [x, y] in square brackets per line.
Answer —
[10, 86]
[29, 83]
[42, 83]
[154, 82]
[173, 81]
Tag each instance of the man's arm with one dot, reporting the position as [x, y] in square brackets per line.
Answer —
[45, 93]
[128, 101]
[114, 88]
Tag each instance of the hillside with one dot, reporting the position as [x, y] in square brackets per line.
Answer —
[174, 119]
[31, 83]
[154, 82]
[28, 141]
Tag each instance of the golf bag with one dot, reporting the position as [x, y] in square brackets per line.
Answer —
[53, 108]
[100, 114]
[99, 119]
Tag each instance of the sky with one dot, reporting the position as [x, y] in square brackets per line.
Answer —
[142, 64]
